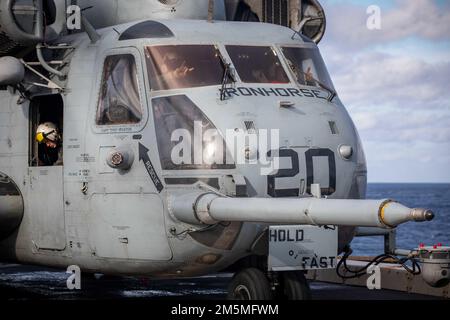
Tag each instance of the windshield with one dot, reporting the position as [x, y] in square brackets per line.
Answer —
[257, 64]
[308, 67]
[184, 66]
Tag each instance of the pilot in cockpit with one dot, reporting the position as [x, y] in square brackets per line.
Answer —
[309, 77]
[175, 68]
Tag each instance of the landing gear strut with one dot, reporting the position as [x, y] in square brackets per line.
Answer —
[253, 284]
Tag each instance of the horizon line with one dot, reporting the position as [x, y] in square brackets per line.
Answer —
[413, 182]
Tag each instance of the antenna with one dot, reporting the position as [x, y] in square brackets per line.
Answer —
[90, 30]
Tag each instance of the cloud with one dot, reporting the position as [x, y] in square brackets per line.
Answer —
[395, 82]
[418, 18]
[403, 127]
[422, 18]
[414, 162]
[401, 81]
[365, 120]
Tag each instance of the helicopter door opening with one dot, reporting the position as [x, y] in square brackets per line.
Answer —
[46, 197]
[46, 109]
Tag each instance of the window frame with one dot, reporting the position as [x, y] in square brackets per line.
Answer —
[292, 73]
[275, 48]
[216, 45]
[188, 167]
[127, 127]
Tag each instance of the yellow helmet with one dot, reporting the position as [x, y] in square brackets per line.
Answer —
[49, 131]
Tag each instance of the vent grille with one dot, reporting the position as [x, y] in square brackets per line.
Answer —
[250, 126]
[276, 11]
[333, 127]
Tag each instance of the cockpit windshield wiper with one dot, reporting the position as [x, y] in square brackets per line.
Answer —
[331, 92]
[227, 76]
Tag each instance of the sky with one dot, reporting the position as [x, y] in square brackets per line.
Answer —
[395, 83]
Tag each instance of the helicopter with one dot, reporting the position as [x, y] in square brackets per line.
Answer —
[196, 137]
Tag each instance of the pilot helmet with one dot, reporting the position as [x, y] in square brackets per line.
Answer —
[172, 59]
[49, 131]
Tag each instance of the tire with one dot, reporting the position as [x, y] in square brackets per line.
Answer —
[250, 284]
[293, 286]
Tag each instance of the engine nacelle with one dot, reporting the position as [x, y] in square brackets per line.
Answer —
[25, 23]
[22, 23]
[12, 71]
[106, 13]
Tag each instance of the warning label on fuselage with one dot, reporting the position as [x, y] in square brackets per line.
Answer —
[302, 247]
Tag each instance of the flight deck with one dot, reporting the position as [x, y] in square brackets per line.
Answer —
[31, 283]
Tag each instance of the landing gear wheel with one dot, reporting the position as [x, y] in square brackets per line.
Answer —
[249, 284]
[293, 286]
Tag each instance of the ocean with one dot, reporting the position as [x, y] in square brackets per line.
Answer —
[431, 196]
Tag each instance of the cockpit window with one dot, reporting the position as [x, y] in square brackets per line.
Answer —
[257, 64]
[308, 66]
[184, 66]
[119, 102]
[187, 139]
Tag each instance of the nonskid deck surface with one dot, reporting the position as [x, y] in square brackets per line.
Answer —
[29, 282]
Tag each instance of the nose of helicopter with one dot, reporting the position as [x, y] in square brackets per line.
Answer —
[310, 142]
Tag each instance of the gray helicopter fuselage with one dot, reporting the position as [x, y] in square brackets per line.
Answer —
[119, 221]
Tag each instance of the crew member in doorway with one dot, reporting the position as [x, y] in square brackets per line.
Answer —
[50, 148]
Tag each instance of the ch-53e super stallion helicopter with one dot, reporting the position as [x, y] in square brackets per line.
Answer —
[117, 90]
